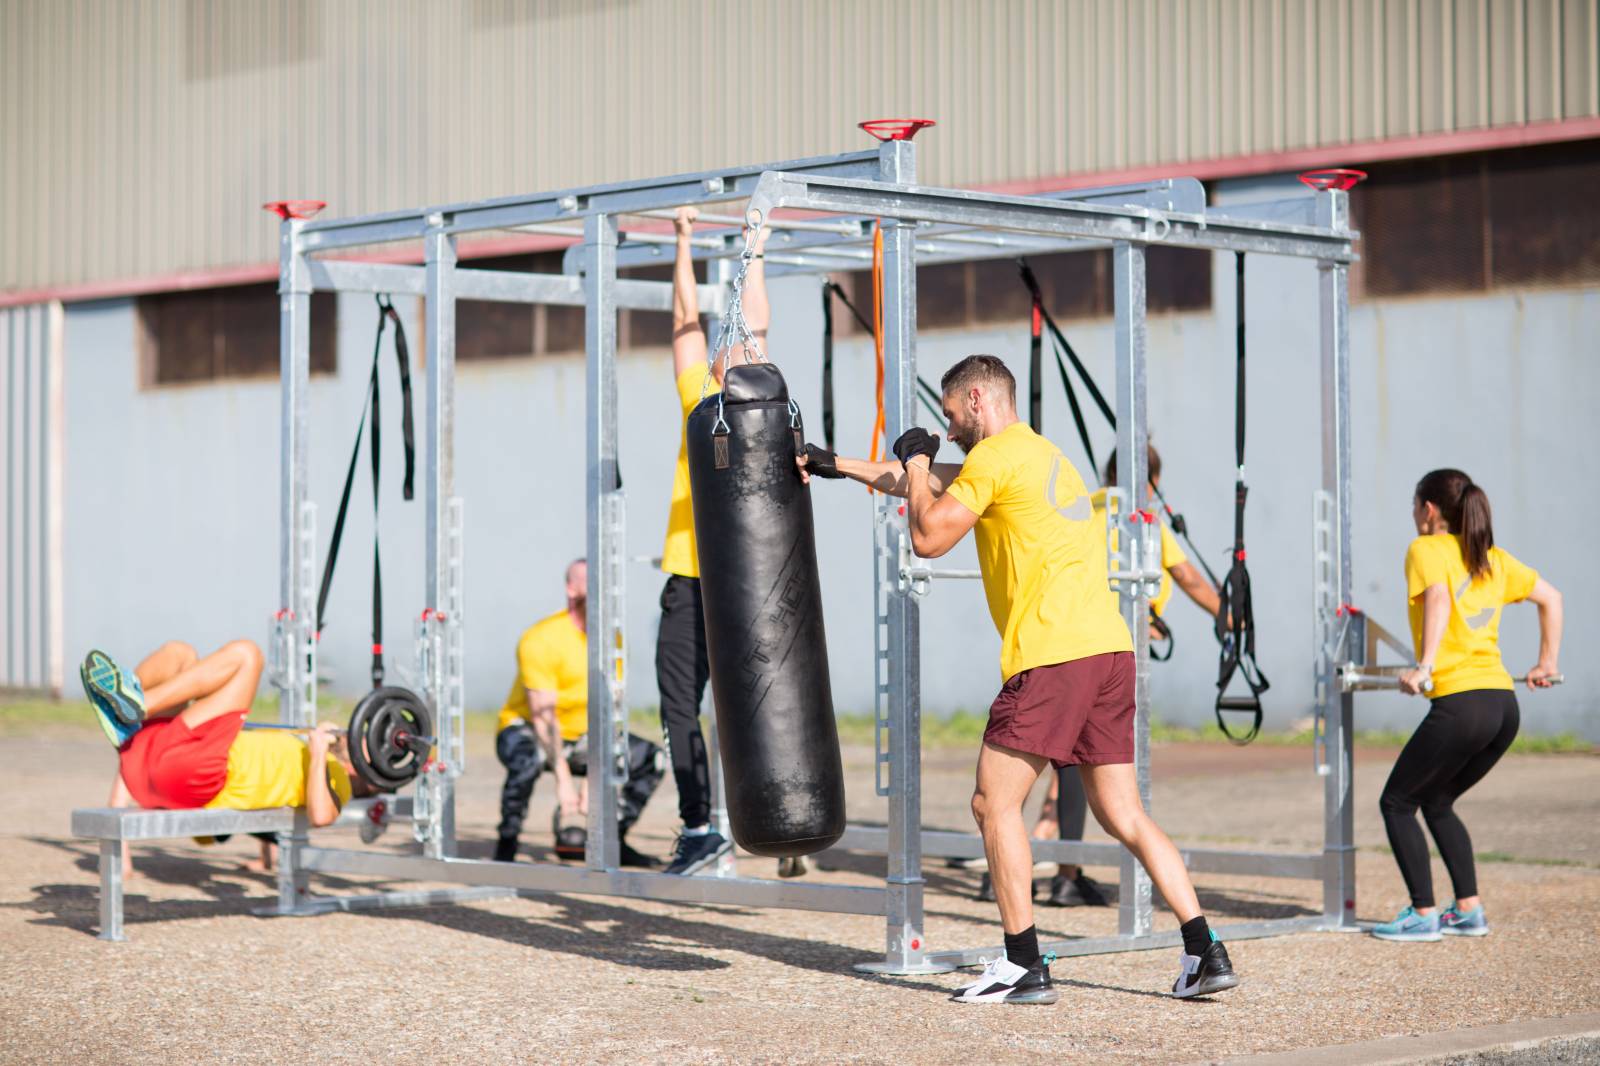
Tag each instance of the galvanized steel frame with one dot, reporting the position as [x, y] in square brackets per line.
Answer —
[921, 225]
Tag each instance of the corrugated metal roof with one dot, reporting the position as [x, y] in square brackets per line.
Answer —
[140, 135]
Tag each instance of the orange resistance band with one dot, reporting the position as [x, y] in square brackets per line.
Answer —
[877, 333]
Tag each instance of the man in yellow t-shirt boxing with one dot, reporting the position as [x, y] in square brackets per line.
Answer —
[177, 721]
[1066, 657]
[545, 722]
[682, 669]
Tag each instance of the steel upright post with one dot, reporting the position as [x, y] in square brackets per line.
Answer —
[1128, 285]
[439, 263]
[295, 631]
[906, 946]
[606, 538]
[1333, 288]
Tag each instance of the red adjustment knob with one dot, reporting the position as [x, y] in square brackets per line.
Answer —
[896, 129]
[902, 510]
[916, 945]
[287, 209]
[1337, 178]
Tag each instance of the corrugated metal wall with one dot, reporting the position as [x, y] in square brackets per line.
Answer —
[140, 135]
[31, 418]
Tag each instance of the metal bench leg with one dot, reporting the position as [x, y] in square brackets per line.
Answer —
[111, 890]
[294, 886]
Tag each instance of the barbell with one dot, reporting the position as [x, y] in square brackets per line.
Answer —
[390, 735]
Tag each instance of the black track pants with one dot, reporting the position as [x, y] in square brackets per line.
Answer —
[519, 752]
[1072, 804]
[1462, 737]
[681, 674]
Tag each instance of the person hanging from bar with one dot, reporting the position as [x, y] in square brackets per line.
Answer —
[682, 669]
[1457, 582]
[177, 721]
[1066, 657]
[545, 721]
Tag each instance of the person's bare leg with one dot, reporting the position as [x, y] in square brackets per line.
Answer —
[266, 860]
[1005, 778]
[161, 666]
[1113, 793]
[223, 681]
[688, 338]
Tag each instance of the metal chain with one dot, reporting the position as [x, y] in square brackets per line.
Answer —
[732, 328]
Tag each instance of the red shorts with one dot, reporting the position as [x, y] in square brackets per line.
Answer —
[1073, 713]
[167, 765]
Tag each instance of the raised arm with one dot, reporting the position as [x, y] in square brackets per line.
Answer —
[1197, 588]
[1548, 600]
[688, 339]
[322, 807]
[887, 477]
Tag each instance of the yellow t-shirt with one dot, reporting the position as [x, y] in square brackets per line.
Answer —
[1469, 655]
[552, 656]
[678, 554]
[1172, 555]
[267, 768]
[1042, 551]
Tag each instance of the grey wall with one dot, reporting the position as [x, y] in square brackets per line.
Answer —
[171, 523]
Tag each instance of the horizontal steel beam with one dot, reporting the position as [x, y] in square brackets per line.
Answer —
[499, 286]
[1104, 945]
[132, 823]
[942, 843]
[1056, 217]
[617, 198]
[579, 880]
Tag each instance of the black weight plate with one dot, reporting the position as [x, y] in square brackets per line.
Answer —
[381, 714]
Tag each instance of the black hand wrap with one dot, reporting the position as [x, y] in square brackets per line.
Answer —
[916, 441]
[820, 462]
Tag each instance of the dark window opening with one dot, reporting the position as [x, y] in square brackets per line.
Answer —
[223, 334]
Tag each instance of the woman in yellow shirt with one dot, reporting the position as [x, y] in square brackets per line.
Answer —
[1457, 581]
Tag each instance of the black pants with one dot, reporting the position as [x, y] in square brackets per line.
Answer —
[519, 751]
[681, 674]
[1072, 804]
[1462, 737]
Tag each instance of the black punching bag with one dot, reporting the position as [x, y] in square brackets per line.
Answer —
[763, 606]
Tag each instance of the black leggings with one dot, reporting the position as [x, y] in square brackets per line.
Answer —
[519, 752]
[1072, 805]
[1462, 737]
[682, 671]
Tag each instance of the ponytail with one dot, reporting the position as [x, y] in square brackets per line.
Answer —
[1465, 509]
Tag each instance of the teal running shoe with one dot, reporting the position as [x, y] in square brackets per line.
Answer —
[116, 695]
[1453, 922]
[1409, 926]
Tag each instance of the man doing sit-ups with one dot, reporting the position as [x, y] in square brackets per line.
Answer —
[177, 721]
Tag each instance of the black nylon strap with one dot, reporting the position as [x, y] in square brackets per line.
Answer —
[930, 396]
[371, 404]
[1236, 624]
[1036, 368]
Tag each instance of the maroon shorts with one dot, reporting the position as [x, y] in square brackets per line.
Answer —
[1073, 713]
[168, 766]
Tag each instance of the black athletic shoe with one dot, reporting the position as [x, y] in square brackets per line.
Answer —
[1003, 981]
[1205, 974]
[505, 849]
[692, 854]
[1080, 891]
[627, 856]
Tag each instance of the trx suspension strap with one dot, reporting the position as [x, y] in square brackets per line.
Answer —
[386, 314]
[926, 393]
[1035, 362]
[1236, 627]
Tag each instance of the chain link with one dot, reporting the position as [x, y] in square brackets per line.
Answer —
[732, 329]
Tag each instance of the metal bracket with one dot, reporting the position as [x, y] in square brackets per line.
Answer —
[1134, 572]
[887, 535]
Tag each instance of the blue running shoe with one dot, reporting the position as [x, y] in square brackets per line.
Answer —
[1410, 926]
[1453, 922]
[116, 695]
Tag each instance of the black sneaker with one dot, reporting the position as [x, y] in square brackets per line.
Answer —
[1003, 981]
[1204, 974]
[691, 854]
[1080, 891]
[505, 849]
[627, 856]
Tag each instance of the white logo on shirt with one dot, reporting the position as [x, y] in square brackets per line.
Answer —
[1078, 509]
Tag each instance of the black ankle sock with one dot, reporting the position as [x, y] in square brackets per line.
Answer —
[1022, 949]
[1196, 936]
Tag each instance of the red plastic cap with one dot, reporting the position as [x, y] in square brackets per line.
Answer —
[287, 209]
[1337, 178]
[896, 129]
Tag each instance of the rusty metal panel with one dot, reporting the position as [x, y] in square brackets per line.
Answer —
[142, 134]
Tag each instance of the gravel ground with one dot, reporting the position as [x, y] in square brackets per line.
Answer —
[573, 978]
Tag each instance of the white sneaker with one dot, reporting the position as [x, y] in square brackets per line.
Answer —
[1003, 981]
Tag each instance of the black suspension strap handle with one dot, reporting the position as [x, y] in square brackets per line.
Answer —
[1235, 625]
[371, 406]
